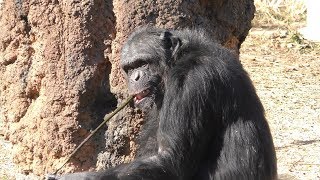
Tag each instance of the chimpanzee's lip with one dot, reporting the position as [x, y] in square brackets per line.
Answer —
[139, 96]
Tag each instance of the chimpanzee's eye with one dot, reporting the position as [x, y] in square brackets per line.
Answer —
[140, 63]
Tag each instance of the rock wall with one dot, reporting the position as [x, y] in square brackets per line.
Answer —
[54, 79]
[56, 58]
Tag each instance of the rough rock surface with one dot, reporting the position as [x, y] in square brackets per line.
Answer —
[54, 79]
[55, 60]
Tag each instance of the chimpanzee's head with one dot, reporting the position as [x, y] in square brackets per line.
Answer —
[145, 59]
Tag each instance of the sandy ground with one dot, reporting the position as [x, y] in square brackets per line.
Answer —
[286, 73]
[287, 78]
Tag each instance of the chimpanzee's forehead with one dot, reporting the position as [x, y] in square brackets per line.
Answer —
[147, 36]
[138, 51]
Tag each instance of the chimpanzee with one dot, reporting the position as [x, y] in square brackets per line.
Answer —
[205, 120]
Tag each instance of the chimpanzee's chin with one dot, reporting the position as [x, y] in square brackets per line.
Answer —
[145, 104]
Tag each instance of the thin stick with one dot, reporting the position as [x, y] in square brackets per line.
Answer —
[105, 119]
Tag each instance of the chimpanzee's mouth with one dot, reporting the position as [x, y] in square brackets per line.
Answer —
[141, 95]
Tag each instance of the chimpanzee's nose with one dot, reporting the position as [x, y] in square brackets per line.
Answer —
[136, 75]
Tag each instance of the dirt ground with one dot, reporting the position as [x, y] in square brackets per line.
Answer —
[286, 72]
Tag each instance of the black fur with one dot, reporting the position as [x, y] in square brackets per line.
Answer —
[205, 119]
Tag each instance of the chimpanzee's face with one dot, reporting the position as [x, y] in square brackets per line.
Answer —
[143, 63]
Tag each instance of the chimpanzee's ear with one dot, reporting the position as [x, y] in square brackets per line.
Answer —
[170, 41]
